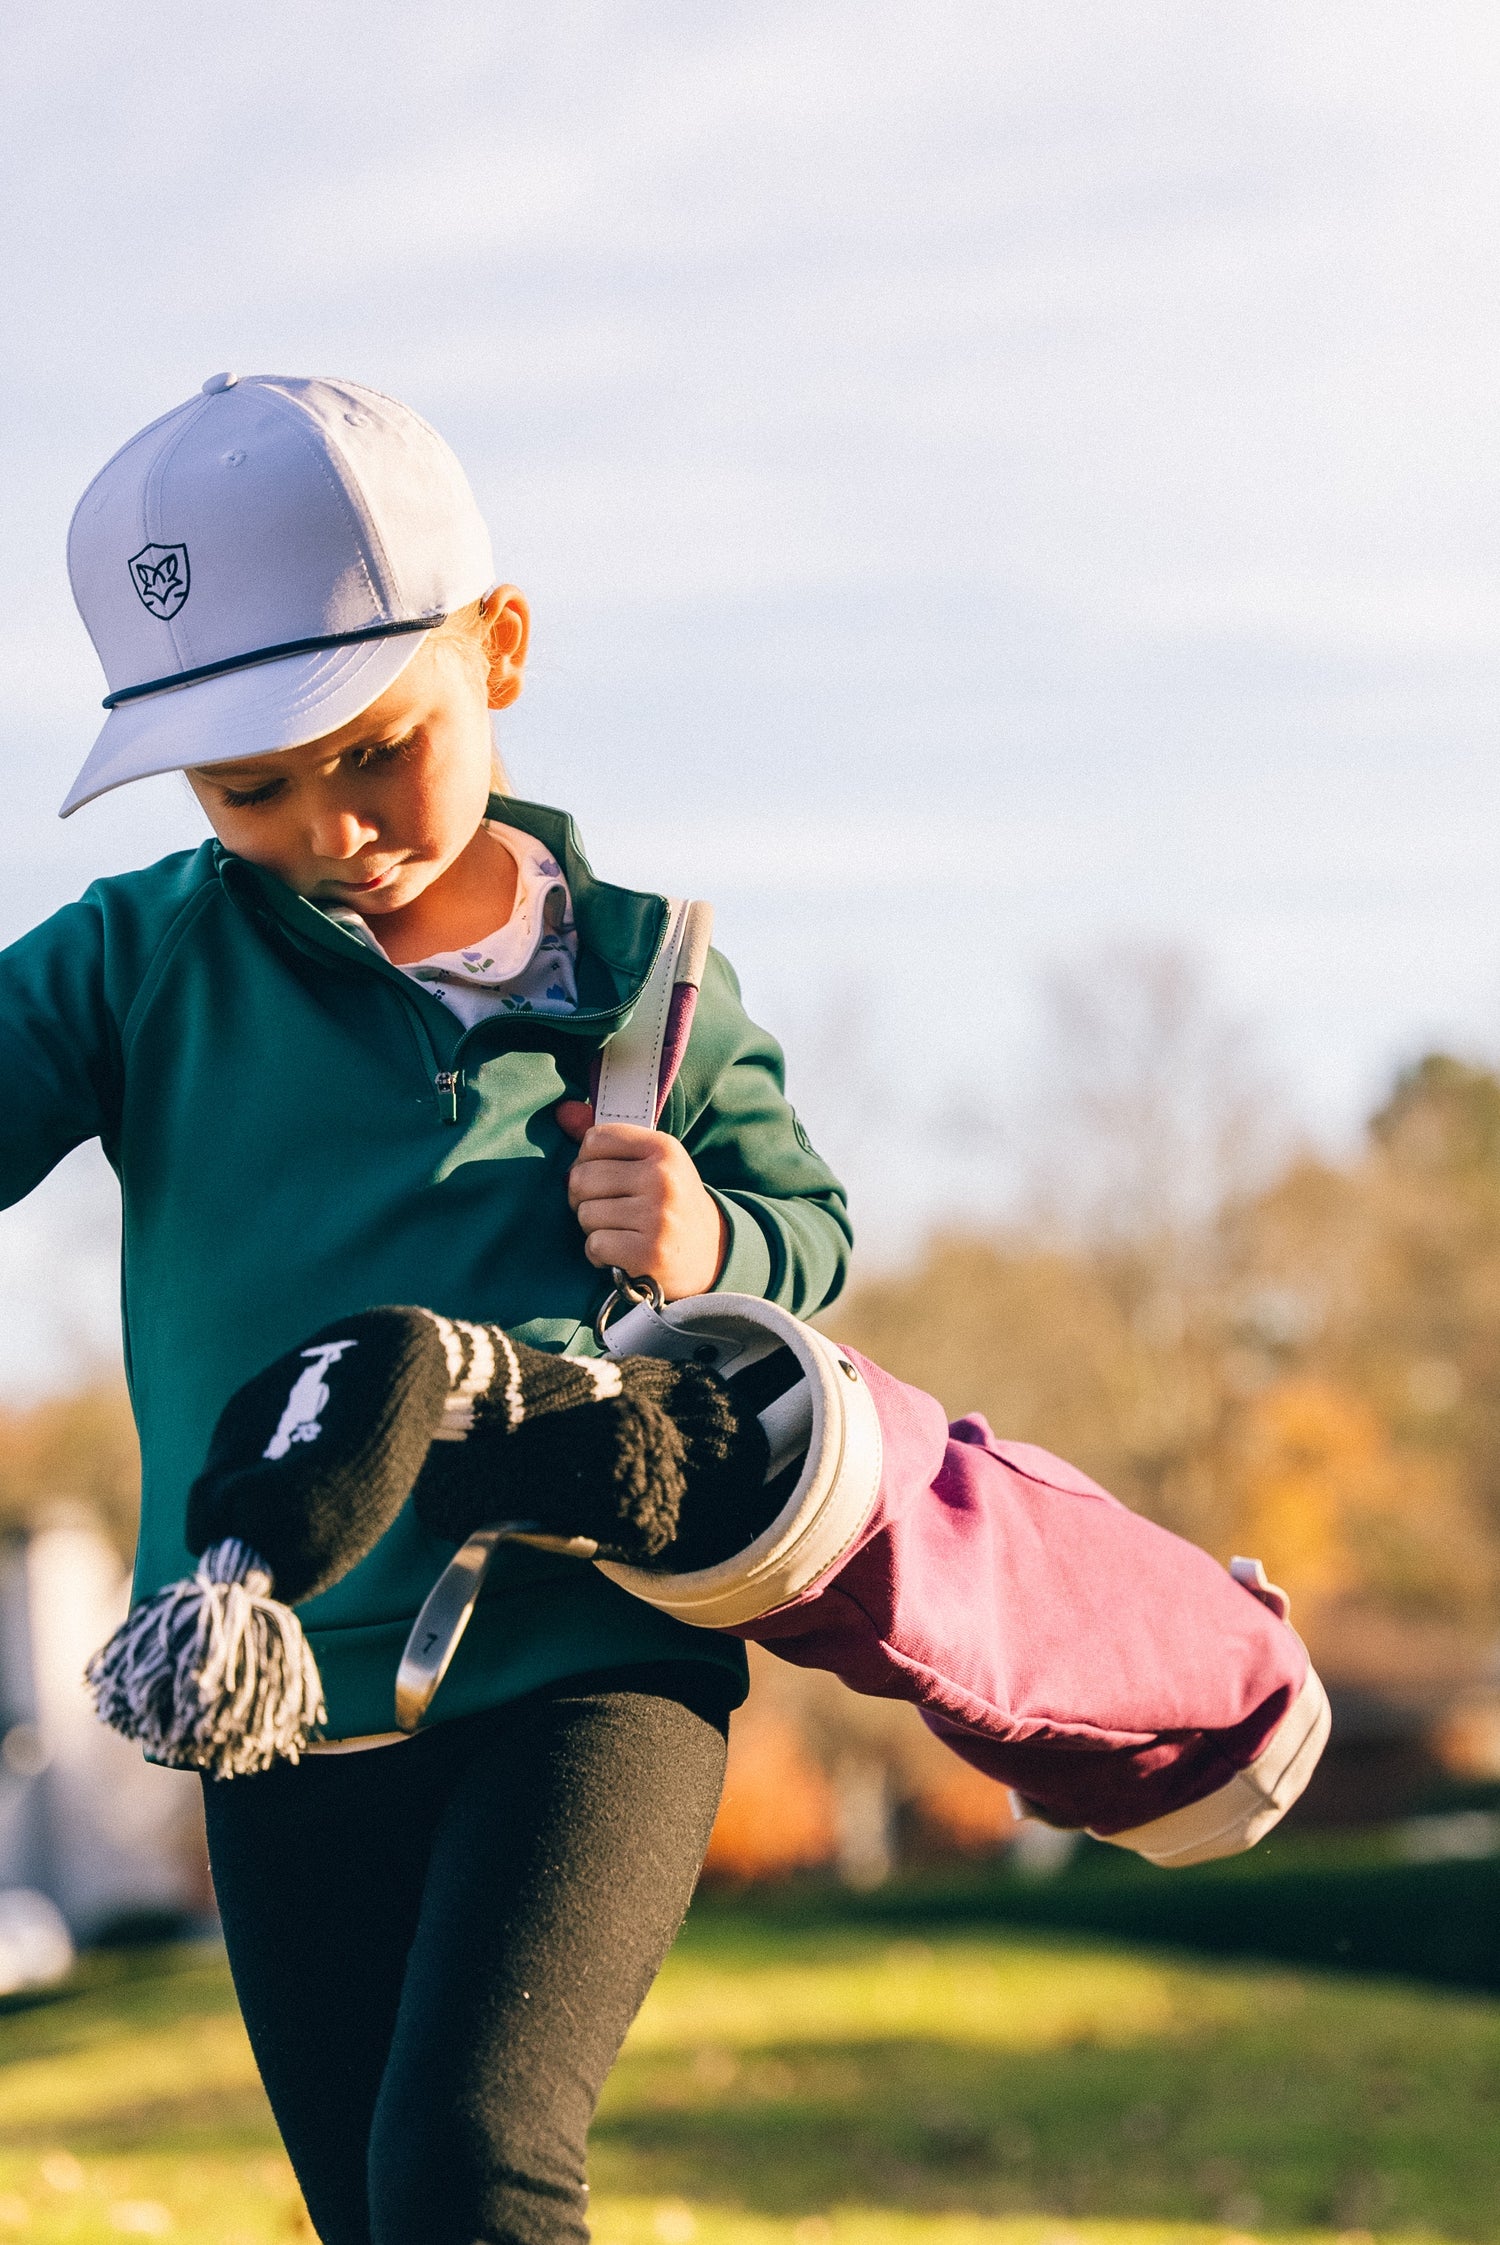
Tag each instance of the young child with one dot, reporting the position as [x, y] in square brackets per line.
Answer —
[340, 1056]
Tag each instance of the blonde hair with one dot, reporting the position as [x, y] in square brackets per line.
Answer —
[464, 629]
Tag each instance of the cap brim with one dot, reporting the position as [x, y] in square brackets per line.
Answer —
[251, 712]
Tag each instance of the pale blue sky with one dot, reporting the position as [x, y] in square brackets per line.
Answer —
[991, 477]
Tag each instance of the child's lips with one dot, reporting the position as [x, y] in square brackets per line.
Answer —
[363, 888]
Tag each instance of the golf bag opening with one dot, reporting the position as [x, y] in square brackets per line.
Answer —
[825, 1454]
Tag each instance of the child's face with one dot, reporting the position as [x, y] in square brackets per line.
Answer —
[374, 814]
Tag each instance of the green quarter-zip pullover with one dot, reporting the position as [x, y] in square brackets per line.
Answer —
[300, 1131]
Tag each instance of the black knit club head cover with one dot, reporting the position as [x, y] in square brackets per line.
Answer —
[312, 1459]
[310, 1462]
[628, 1451]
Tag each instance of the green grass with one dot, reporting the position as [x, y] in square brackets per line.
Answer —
[830, 2085]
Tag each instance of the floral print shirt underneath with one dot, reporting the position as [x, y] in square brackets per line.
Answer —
[528, 966]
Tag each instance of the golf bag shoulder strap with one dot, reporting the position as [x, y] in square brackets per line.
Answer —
[640, 1061]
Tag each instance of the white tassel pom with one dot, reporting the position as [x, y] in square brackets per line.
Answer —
[213, 1674]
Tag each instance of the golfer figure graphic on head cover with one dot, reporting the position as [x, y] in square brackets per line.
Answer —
[299, 1422]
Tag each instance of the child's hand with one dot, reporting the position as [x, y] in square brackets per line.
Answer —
[642, 1204]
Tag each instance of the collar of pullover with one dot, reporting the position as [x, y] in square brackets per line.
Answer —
[620, 930]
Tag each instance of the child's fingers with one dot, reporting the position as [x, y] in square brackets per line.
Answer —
[623, 1142]
[575, 1118]
[629, 1251]
[611, 1180]
[642, 1207]
[621, 1213]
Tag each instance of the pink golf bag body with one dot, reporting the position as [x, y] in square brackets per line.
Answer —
[1113, 1675]
[1110, 1673]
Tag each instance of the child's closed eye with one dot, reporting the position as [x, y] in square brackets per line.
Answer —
[369, 756]
[241, 798]
[373, 754]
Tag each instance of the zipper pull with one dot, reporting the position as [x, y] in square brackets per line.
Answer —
[447, 1082]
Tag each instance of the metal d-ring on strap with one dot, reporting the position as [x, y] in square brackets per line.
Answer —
[636, 1291]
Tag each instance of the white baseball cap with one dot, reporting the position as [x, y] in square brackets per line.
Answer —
[259, 565]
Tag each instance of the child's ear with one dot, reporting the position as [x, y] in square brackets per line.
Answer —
[506, 620]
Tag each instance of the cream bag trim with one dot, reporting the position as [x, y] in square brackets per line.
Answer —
[1238, 1814]
[835, 1492]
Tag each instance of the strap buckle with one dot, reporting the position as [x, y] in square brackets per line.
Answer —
[636, 1291]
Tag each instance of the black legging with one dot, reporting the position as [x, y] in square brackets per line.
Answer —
[439, 1945]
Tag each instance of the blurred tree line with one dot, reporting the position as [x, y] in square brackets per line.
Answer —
[71, 1452]
[1266, 1349]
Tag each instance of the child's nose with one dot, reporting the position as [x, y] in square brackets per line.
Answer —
[340, 834]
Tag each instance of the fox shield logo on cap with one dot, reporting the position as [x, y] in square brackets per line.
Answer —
[160, 576]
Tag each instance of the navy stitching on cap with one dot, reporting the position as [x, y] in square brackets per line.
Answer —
[268, 655]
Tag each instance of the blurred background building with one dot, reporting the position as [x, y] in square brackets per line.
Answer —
[115, 1844]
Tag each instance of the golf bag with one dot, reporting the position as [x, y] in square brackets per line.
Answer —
[1112, 1674]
